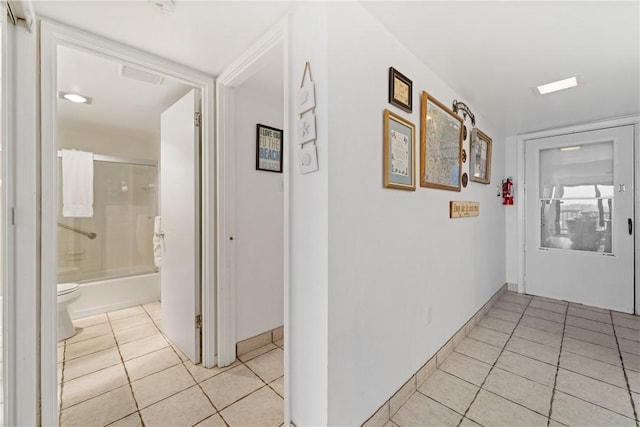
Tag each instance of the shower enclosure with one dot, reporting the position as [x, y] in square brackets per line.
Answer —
[111, 254]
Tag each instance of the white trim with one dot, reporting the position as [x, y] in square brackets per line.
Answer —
[53, 35]
[238, 72]
[520, 189]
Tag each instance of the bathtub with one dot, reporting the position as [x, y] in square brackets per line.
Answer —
[101, 296]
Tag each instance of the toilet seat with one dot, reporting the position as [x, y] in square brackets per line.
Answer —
[67, 288]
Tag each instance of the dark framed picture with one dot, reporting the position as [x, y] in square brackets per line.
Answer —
[268, 148]
[400, 90]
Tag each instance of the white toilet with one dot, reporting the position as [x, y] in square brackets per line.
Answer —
[67, 293]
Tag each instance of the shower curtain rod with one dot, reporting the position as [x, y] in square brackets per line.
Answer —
[115, 159]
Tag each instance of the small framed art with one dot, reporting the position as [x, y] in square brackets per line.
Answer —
[268, 148]
[399, 152]
[400, 90]
[480, 157]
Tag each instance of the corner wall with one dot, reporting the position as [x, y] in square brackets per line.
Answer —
[394, 255]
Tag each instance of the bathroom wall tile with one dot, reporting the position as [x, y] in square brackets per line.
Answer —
[84, 322]
[576, 412]
[268, 366]
[449, 390]
[92, 385]
[401, 396]
[466, 368]
[253, 343]
[231, 385]
[101, 410]
[141, 347]
[137, 332]
[130, 322]
[89, 346]
[263, 407]
[593, 368]
[420, 410]
[199, 373]
[161, 385]
[491, 410]
[534, 350]
[527, 393]
[183, 409]
[151, 363]
[594, 351]
[478, 350]
[126, 312]
[89, 332]
[593, 391]
[93, 362]
[591, 325]
[489, 336]
[277, 334]
[527, 368]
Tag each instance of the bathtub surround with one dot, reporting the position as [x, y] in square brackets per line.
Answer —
[77, 184]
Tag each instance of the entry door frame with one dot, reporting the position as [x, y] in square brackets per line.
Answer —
[521, 199]
[52, 35]
[238, 72]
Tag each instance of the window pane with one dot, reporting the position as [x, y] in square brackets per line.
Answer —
[583, 225]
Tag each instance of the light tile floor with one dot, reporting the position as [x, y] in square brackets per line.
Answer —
[119, 370]
[535, 361]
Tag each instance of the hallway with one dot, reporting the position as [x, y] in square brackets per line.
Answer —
[537, 362]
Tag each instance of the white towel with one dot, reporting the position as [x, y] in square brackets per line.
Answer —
[157, 241]
[77, 184]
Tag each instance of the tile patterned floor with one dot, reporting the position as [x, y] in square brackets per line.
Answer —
[119, 370]
[535, 361]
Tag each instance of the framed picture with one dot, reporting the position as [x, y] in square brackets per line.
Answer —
[399, 152]
[480, 157]
[440, 145]
[268, 148]
[400, 90]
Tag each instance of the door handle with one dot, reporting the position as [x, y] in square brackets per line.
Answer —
[630, 225]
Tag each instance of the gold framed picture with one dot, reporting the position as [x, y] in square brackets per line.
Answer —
[400, 90]
[440, 145]
[480, 157]
[399, 152]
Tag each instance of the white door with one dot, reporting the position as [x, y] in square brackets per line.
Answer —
[179, 210]
[579, 207]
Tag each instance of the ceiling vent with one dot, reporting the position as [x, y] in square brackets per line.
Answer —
[140, 75]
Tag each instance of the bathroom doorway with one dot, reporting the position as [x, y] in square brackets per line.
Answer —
[122, 139]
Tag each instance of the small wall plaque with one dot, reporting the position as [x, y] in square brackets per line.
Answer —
[463, 209]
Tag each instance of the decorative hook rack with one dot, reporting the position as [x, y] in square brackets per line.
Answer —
[466, 111]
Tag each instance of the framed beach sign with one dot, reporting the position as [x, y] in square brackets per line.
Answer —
[399, 152]
[268, 148]
[480, 157]
[440, 145]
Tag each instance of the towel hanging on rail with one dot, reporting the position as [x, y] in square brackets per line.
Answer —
[77, 184]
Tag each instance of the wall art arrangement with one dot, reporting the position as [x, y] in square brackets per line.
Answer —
[268, 148]
[400, 90]
[399, 152]
[308, 154]
[440, 145]
[480, 157]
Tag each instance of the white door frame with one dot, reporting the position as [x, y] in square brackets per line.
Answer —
[53, 35]
[238, 72]
[520, 190]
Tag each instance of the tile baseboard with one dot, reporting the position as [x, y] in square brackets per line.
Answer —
[388, 408]
[260, 340]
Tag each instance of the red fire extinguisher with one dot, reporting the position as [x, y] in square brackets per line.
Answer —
[507, 191]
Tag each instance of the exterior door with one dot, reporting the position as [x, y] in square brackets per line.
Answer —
[579, 218]
[180, 224]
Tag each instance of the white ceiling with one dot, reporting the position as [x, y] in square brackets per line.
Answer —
[491, 53]
[117, 102]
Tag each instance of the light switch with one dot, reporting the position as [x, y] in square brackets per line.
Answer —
[308, 159]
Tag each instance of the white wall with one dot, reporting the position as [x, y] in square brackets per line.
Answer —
[308, 228]
[393, 254]
[259, 220]
[511, 212]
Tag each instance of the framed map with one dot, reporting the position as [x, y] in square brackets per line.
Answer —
[440, 145]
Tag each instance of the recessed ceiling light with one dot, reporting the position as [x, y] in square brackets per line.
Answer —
[74, 97]
[556, 86]
[575, 147]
